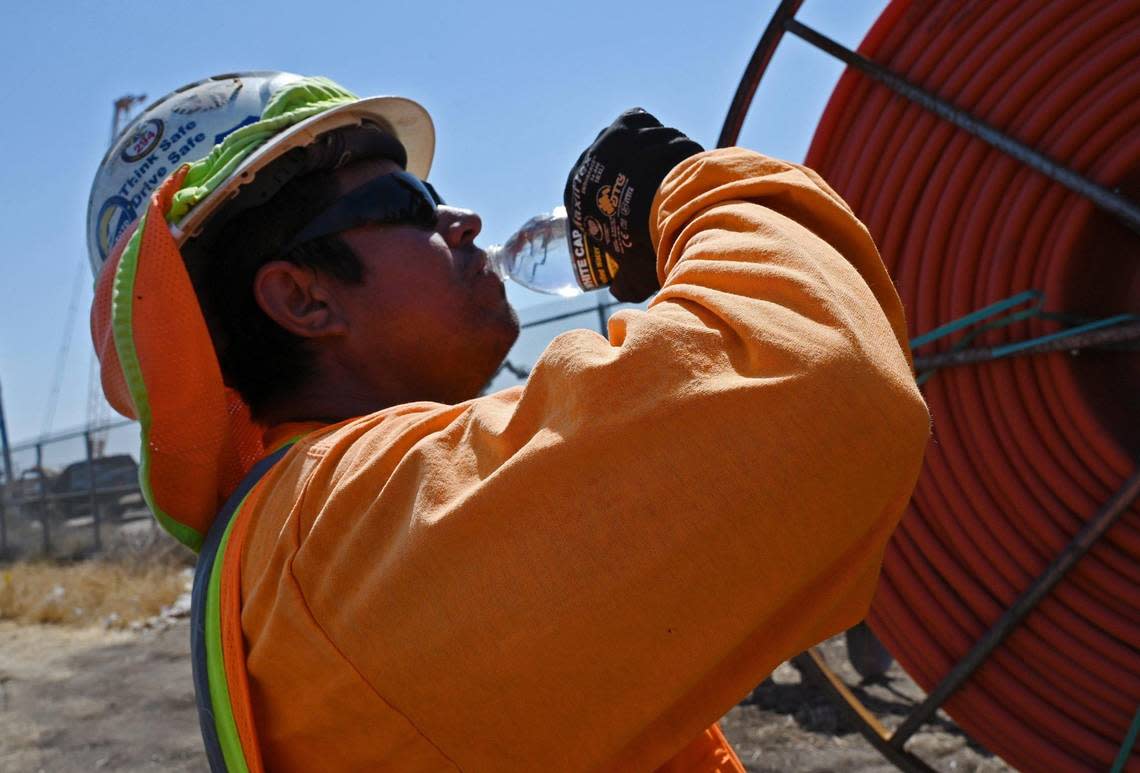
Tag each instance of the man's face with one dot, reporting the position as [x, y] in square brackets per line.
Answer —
[430, 316]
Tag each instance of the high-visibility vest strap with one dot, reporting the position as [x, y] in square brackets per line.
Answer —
[215, 714]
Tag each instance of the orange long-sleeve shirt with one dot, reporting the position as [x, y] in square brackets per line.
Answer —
[584, 572]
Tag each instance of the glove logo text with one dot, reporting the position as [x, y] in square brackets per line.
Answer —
[607, 198]
[576, 241]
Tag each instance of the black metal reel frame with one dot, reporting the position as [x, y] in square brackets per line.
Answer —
[812, 662]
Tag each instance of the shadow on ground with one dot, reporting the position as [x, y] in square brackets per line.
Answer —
[789, 723]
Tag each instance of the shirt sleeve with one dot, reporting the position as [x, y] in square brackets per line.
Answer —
[605, 560]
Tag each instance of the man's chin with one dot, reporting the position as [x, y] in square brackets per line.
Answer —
[508, 325]
[513, 323]
[505, 321]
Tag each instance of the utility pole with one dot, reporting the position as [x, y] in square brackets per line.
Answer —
[7, 447]
[7, 491]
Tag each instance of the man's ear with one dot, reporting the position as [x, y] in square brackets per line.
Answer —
[298, 299]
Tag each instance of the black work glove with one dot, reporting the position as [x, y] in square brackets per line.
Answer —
[608, 196]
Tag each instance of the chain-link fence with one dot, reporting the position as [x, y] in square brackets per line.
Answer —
[74, 494]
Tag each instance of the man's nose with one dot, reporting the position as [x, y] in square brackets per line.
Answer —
[459, 227]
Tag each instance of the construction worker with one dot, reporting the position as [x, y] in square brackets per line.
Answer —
[580, 573]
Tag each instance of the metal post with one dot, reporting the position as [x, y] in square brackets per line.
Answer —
[91, 491]
[43, 499]
[4, 522]
[1124, 209]
[602, 306]
[7, 449]
[1093, 529]
[742, 100]
[9, 481]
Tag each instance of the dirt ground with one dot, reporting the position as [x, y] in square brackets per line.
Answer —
[91, 699]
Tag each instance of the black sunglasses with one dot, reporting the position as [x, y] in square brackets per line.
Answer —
[398, 198]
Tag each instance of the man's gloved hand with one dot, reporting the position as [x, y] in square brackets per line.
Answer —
[608, 196]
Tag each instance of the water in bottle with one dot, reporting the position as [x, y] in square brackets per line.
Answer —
[537, 257]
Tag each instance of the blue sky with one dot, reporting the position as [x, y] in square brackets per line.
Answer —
[517, 90]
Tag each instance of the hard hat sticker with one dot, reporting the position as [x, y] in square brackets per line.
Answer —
[146, 177]
[181, 142]
[143, 141]
[209, 97]
[114, 217]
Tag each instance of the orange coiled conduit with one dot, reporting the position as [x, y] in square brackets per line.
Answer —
[1025, 450]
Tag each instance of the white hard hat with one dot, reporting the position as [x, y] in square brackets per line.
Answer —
[186, 124]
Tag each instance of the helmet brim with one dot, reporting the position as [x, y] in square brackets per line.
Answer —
[403, 118]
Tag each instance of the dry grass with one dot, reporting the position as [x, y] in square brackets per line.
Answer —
[112, 592]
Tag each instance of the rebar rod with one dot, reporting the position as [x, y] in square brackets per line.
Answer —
[1123, 208]
[1091, 339]
[1093, 529]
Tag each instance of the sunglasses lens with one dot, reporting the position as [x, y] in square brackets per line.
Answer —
[393, 199]
[417, 205]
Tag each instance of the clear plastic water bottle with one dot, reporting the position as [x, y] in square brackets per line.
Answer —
[536, 256]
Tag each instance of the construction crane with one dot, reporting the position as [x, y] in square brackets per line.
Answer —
[97, 409]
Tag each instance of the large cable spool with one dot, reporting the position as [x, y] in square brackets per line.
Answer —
[1025, 450]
